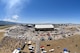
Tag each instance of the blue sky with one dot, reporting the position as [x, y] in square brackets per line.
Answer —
[40, 11]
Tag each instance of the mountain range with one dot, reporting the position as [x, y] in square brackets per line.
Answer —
[7, 23]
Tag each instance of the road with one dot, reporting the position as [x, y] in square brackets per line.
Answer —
[37, 46]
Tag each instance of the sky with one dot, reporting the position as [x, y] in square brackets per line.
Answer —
[40, 11]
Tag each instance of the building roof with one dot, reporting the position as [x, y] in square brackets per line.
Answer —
[44, 26]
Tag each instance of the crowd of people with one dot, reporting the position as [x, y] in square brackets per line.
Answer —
[16, 36]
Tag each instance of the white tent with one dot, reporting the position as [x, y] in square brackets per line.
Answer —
[44, 26]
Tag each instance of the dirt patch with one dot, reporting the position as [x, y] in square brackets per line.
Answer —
[8, 44]
[71, 43]
[1, 35]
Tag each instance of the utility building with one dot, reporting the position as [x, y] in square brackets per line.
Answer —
[44, 27]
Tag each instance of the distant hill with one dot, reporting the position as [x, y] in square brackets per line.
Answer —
[7, 23]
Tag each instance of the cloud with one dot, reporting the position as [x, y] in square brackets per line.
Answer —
[13, 7]
[12, 3]
[14, 18]
[8, 19]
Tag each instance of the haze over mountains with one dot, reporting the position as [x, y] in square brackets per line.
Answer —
[2, 23]
[7, 23]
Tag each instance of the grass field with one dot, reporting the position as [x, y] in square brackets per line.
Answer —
[71, 43]
[3, 27]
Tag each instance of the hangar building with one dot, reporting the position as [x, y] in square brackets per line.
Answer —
[44, 27]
